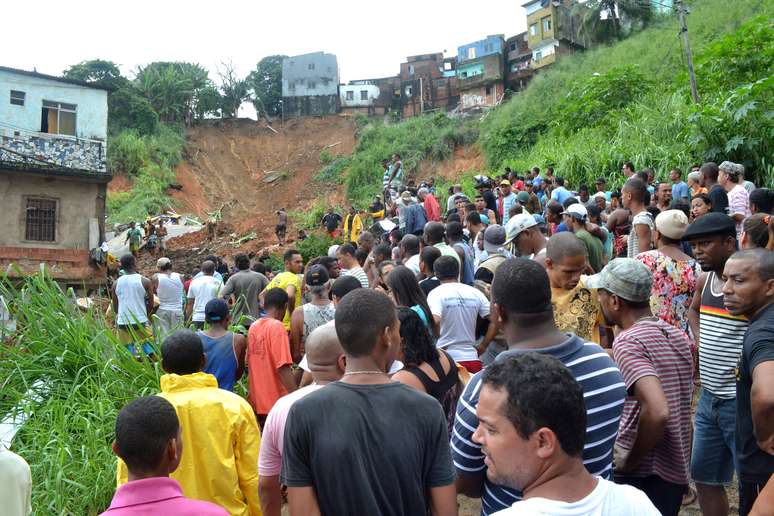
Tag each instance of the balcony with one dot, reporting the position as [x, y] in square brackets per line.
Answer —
[52, 151]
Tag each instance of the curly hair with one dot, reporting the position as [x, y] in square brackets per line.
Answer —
[418, 346]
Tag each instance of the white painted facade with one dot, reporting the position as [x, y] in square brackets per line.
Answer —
[544, 48]
[532, 7]
[90, 105]
[358, 95]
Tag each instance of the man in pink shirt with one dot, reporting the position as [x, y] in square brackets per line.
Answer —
[149, 440]
[430, 203]
[325, 359]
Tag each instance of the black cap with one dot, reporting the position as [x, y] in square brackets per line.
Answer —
[215, 310]
[712, 223]
[316, 276]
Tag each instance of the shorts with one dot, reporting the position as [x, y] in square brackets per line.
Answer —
[748, 493]
[134, 248]
[666, 496]
[168, 320]
[713, 455]
[134, 335]
[280, 230]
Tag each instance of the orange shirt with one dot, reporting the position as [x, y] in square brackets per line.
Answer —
[268, 349]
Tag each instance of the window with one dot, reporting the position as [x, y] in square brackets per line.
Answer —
[488, 47]
[17, 98]
[311, 66]
[488, 90]
[538, 55]
[311, 85]
[513, 46]
[472, 53]
[408, 91]
[363, 94]
[57, 118]
[411, 69]
[533, 29]
[40, 220]
[547, 24]
[350, 95]
[464, 74]
[447, 66]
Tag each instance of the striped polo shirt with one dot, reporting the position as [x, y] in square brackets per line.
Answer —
[604, 392]
[653, 347]
[720, 343]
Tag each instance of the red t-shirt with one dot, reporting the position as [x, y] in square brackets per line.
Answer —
[268, 349]
[655, 348]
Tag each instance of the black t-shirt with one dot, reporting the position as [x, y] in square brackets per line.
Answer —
[367, 449]
[428, 284]
[755, 465]
[719, 199]
[491, 201]
[331, 221]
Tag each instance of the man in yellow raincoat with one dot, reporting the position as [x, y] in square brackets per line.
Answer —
[221, 438]
[352, 226]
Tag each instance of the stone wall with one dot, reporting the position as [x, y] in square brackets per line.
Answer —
[73, 153]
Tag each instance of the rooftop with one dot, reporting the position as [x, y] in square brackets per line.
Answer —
[39, 75]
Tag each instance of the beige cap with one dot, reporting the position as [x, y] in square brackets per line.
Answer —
[672, 224]
[163, 262]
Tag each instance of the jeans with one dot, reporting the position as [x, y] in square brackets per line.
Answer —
[714, 448]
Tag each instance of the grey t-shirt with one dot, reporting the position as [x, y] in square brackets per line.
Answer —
[367, 449]
[246, 286]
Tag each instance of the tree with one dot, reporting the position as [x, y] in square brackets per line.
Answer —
[605, 20]
[97, 71]
[208, 102]
[234, 90]
[266, 84]
[172, 88]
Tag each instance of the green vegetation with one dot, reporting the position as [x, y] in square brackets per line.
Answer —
[149, 160]
[81, 376]
[427, 137]
[333, 171]
[630, 101]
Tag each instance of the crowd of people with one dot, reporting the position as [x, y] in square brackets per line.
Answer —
[547, 350]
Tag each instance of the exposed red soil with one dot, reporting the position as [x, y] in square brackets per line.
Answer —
[463, 160]
[119, 183]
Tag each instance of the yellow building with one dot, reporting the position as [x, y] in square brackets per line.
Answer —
[551, 30]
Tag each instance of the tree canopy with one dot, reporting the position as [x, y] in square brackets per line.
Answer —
[266, 84]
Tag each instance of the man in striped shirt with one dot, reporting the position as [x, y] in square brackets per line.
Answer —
[719, 336]
[349, 265]
[528, 323]
[653, 448]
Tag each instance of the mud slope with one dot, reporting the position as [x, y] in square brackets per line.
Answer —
[227, 163]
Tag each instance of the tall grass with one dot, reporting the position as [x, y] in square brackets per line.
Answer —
[426, 137]
[86, 377]
[662, 128]
[149, 160]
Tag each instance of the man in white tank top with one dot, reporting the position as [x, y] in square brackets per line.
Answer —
[169, 289]
[133, 303]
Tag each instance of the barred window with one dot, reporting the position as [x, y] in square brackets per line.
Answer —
[41, 220]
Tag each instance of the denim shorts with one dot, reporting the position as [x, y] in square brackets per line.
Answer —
[713, 458]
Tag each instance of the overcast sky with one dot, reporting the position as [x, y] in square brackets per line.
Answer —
[370, 39]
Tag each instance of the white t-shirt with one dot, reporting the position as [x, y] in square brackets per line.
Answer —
[607, 499]
[458, 305]
[202, 290]
[413, 264]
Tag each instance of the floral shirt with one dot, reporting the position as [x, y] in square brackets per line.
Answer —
[674, 283]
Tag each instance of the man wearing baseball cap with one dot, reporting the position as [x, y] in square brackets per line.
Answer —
[719, 336]
[494, 253]
[225, 351]
[525, 239]
[506, 201]
[575, 218]
[653, 449]
[313, 314]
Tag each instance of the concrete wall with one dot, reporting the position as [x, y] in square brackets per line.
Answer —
[482, 96]
[315, 74]
[489, 45]
[91, 112]
[372, 94]
[78, 202]
[313, 105]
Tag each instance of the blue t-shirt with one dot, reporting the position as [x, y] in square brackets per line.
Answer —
[561, 194]
[680, 191]
[603, 390]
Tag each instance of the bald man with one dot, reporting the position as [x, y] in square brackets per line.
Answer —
[325, 359]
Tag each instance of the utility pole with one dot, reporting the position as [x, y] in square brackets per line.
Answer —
[681, 11]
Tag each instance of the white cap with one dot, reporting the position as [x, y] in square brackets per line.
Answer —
[517, 224]
[576, 210]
